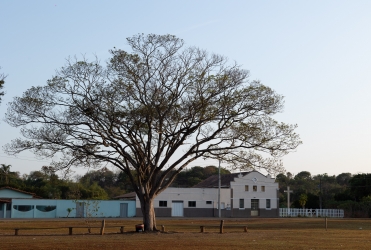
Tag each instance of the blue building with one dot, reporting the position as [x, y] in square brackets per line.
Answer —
[16, 203]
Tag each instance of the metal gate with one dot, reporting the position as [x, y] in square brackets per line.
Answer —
[177, 208]
[80, 209]
[123, 210]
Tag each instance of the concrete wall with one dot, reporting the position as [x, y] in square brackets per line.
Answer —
[206, 201]
[199, 195]
[92, 208]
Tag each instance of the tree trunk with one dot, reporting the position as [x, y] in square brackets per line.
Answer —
[149, 218]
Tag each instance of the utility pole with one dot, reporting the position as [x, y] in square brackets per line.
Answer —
[219, 185]
[320, 192]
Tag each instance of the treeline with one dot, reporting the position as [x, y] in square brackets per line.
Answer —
[45, 183]
[98, 184]
[344, 191]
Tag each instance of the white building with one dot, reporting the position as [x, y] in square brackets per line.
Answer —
[241, 195]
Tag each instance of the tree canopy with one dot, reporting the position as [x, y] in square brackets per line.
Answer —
[2, 81]
[153, 110]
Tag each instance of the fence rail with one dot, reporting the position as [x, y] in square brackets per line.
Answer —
[304, 212]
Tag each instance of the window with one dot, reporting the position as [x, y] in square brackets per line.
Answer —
[163, 203]
[242, 203]
[263, 188]
[268, 203]
[209, 202]
[247, 188]
[191, 204]
[254, 188]
[23, 208]
[45, 208]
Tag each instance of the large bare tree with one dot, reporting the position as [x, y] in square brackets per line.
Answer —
[154, 110]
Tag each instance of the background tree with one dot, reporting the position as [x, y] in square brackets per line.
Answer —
[4, 173]
[2, 82]
[153, 111]
[193, 176]
[303, 198]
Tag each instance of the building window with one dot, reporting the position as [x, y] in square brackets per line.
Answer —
[247, 188]
[191, 204]
[268, 204]
[163, 203]
[242, 203]
[45, 208]
[209, 202]
[254, 188]
[263, 188]
[23, 208]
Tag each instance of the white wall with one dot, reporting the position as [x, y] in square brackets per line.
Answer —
[200, 195]
[254, 179]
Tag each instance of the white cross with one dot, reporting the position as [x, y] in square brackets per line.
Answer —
[288, 191]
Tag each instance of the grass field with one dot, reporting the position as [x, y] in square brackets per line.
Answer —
[280, 233]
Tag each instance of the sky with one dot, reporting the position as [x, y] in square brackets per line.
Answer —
[317, 54]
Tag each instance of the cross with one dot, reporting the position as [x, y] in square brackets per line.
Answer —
[288, 191]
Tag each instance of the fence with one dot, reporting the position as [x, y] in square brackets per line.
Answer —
[305, 212]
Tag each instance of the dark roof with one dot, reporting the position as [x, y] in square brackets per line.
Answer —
[128, 196]
[5, 200]
[213, 181]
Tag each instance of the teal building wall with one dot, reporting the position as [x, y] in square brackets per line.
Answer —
[43, 208]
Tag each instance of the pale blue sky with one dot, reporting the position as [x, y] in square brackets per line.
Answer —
[315, 53]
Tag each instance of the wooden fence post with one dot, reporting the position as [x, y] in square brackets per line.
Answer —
[70, 230]
[326, 223]
[245, 228]
[221, 226]
[122, 229]
[102, 227]
[202, 229]
[163, 228]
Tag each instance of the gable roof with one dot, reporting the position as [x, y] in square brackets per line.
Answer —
[128, 196]
[213, 181]
[20, 191]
